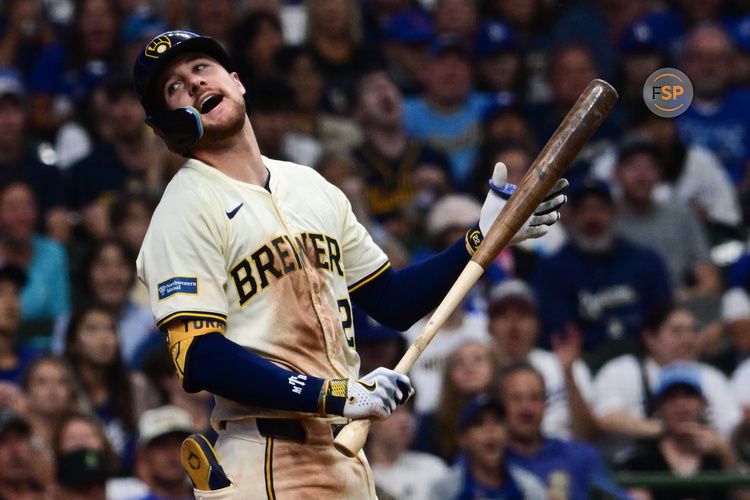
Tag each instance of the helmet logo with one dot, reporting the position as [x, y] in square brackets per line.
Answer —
[158, 46]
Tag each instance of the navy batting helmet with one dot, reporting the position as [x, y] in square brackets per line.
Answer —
[160, 51]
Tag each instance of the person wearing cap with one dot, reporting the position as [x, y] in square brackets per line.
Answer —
[686, 445]
[717, 119]
[484, 472]
[500, 64]
[514, 326]
[669, 229]
[598, 281]
[270, 336]
[567, 468]
[160, 434]
[406, 45]
[401, 172]
[16, 356]
[19, 461]
[447, 114]
[377, 345]
[624, 387]
[81, 475]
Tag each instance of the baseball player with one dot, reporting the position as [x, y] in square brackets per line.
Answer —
[252, 267]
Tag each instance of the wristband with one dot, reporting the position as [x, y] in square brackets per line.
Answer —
[473, 238]
[333, 397]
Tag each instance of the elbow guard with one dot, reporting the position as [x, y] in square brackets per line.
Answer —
[180, 335]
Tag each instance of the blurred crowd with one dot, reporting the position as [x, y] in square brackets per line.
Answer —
[619, 341]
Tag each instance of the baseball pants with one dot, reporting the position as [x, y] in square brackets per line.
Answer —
[273, 468]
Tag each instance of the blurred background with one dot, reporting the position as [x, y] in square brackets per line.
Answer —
[618, 342]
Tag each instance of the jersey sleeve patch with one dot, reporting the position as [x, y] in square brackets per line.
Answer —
[186, 315]
[185, 328]
[187, 285]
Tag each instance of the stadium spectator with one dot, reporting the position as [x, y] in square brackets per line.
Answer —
[83, 431]
[107, 278]
[51, 394]
[728, 344]
[406, 45]
[307, 117]
[624, 387]
[66, 72]
[15, 354]
[514, 327]
[484, 472]
[81, 475]
[718, 117]
[447, 115]
[335, 35]
[92, 350]
[668, 229]
[690, 175]
[160, 435]
[397, 470]
[499, 61]
[26, 31]
[568, 469]
[377, 345]
[256, 40]
[20, 155]
[46, 294]
[686, 446]
[468, 372]
[214, 18]
[505, 120]
[400, 171]
[446, 222]
[269, 102]
[19, 462]
[136, 160]
[456, 18]
[602, 284]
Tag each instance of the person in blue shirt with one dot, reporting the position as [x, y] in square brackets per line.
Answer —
[13, 358]
[599, 282]
[568, 469]
[482, 473]
[719, 116]
[448, 114]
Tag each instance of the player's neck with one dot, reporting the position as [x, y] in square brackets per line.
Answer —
[238, 157]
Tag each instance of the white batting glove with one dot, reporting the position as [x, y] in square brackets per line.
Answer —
[538, 224]
[375, 395]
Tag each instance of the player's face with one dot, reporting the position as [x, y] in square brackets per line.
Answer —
[201, 82]
[524, 399]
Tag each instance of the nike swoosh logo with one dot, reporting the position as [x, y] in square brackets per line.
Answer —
[234, 212]
[371, 387]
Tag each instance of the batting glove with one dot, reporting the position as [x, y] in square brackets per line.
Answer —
[546, 214]
[375, 395]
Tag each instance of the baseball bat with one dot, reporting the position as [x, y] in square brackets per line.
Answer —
[576, 128]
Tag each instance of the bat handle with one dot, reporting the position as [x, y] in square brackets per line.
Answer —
[352, 437]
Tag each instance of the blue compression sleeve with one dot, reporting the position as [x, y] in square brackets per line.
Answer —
[398, 299]
[222, 367]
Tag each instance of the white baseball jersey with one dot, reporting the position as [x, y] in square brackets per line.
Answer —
[276, 265]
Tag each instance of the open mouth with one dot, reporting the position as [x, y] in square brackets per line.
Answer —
[210, 102]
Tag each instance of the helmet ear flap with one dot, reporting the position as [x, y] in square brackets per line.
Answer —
[181, 128]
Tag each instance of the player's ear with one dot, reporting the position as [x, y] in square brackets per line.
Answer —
[238, 82]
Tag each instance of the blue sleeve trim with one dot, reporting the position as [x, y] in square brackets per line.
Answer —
[398, 299]
[222, 367]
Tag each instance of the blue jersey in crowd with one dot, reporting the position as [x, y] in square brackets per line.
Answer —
[723, 129]
[456, 134]
[579, 463]
[606, 295]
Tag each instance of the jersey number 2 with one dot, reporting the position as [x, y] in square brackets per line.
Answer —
[345, 309]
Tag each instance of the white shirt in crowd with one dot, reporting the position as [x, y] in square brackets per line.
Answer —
[557, 421]
[411, 477]
[618, 387]
[741, 384]
[427, 374]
